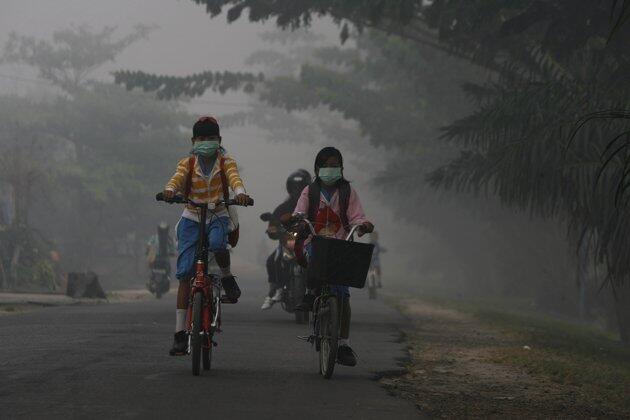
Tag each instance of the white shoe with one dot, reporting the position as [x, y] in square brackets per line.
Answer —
[278, 296]
[267, 304]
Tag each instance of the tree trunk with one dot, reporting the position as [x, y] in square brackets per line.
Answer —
[582, 280]
[4, 281]
[14, 268]
[622, 305]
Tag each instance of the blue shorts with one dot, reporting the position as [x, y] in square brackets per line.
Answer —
[187, 235]
[341, 291]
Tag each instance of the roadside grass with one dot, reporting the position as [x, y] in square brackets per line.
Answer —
[594, 362]
[566, 352]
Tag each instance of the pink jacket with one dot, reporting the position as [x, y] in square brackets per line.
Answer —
[327, 222]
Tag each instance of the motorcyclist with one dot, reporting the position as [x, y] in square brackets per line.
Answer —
[160, 247]
[278, 220]
[376, 257]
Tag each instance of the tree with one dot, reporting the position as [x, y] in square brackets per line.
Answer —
[547, 62]
[103, 151]
[73, 54]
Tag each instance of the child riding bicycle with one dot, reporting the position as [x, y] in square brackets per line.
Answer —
[204, 177]
[333, 207]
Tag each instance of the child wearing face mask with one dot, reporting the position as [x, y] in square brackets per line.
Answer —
[203, 177]
[333, 207]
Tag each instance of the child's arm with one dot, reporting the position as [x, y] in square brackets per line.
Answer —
[302, 204]
[356, 215]
[178, 180]
[233, 177]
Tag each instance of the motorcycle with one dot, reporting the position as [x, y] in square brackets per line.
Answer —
[292, 276]
[159, 282]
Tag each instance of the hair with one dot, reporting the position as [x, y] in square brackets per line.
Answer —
[325, 154]
[316, 186]
[206, 127]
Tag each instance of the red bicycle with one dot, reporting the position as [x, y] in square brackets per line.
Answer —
[203, 318]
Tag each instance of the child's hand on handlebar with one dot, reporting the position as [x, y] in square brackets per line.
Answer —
[366, 227]
[242, 199]
[168, 195]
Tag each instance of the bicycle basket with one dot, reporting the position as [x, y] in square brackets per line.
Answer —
[335, 261]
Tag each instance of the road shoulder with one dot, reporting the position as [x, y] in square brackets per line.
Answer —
[488, 363]
[14, 303]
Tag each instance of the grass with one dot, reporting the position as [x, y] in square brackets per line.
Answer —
[591, 360]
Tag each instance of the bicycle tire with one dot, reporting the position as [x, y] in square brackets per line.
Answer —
[329, 331]
[206, 356]
[195, 339]
[301, 317]
[299, 289]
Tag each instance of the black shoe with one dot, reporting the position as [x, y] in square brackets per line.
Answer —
[306, 304]
[180, 344]
[232, 291]
[346, 357]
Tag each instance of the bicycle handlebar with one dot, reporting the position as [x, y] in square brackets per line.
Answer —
[178, 199]
[301, 218]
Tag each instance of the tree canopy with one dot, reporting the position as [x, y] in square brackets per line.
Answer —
[78, 163]
[534, 70]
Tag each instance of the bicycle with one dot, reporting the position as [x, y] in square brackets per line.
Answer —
[203, 317]
[325, 267]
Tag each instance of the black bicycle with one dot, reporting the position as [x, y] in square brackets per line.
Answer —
[334, 262]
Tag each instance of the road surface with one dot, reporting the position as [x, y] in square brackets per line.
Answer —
[111, 361]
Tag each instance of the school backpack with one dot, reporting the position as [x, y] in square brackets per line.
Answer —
[314, 191]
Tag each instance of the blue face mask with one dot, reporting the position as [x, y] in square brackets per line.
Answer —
[206, 148]
[329, 176]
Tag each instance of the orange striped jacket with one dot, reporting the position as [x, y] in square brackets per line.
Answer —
[206, 189]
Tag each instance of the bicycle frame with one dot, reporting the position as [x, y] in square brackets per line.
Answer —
[204, 304]
[209, 285]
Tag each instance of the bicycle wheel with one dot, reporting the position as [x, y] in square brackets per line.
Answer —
[329, 331]
[301, 317]
[299, 289]
[195, 339]
[207, 355]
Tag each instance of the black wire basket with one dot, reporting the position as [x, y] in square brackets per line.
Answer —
[335, 261]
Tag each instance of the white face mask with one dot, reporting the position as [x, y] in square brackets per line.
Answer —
[329, 176]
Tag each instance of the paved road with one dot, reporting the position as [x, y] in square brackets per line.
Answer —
[110, 361]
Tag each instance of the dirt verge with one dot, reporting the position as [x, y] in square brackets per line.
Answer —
[15, 303]
[461, 365]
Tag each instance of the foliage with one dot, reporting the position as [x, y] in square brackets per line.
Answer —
[72, 54]
[547, 63]
[170, 87]
[95, 155]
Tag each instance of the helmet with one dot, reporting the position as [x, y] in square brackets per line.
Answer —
[297, 181]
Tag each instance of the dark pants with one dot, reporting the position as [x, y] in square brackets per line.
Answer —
[272, 273]
[275, 274]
